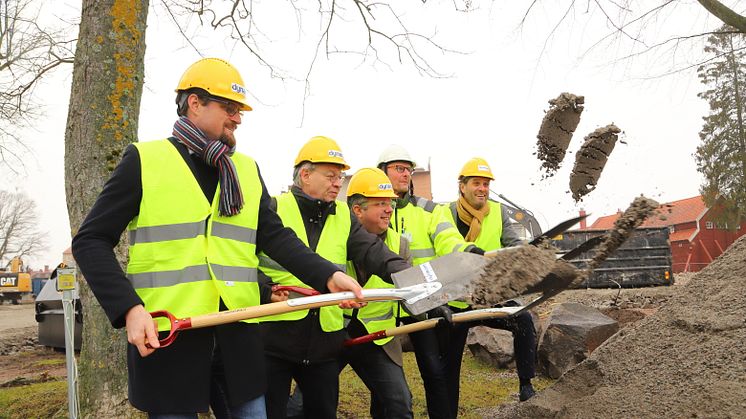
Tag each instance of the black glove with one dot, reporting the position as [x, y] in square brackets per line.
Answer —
[475, 249]
[443, 314]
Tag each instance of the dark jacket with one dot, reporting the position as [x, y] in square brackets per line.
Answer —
[303, 340]
[177, 378]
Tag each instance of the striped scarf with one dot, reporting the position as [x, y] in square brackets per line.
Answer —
[215, 154]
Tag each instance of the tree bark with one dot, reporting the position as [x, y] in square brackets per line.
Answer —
[726, 15]
[101, 122]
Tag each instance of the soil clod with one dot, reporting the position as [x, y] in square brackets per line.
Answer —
[556, 130]
[591, 159]
[510, 273]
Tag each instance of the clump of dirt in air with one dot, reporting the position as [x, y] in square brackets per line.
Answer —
[639, 210]
[591, 159]
[519, 270]
[556, 130]
[686, 360]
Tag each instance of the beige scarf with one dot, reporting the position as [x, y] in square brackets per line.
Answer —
[471, 217]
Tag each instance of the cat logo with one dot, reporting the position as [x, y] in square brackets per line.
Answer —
[8, 282]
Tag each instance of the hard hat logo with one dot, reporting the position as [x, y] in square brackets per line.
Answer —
[385, 187]
[238, 89]
[335, 153]
[483, 168]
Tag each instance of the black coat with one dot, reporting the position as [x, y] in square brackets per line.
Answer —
[303, 340]
[176, 379]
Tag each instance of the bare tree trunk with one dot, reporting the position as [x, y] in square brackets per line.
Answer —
[102, 121]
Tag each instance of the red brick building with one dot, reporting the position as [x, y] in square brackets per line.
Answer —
[696, 240]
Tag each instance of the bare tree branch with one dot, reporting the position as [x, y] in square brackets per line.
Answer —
[28, 53]
[19, 233]
[722, 12]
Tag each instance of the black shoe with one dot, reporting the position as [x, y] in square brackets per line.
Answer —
[526, 392]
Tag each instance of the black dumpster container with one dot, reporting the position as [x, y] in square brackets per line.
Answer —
[51, 317]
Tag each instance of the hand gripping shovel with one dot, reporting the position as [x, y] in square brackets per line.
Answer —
[456, 271]
[411, 294]
[551, 285]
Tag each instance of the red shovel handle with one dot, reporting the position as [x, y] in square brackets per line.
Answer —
[176, 326]
[365, 338]
[300, 290]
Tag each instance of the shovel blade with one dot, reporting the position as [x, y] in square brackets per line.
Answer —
[455, 271]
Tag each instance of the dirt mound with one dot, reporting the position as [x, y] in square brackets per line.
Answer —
[591, 159]
[687, 360]
[556, 130]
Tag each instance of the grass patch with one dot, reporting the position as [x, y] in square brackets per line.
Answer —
[41, 400]
[49, 362]
[481, 386]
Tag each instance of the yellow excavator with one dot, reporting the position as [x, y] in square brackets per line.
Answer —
[14, 283]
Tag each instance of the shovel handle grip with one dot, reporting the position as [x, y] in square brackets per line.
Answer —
[176, 326]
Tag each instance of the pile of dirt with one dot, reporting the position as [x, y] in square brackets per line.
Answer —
[517, 271]
[687, 360]
[591, 159]
[556, 130]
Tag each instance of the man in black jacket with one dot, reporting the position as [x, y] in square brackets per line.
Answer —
[305, 346]
[193, 251]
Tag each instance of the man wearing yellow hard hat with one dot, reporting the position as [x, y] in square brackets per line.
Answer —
[379, 363]
[486, 223]
[305, 345]
[430, 235]
[197, 213]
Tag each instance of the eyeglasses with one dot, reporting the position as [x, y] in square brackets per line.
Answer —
[401, 169]
[231, 108]
[389, 204]
[335, 178]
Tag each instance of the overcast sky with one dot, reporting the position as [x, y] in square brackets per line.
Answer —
[491, 106]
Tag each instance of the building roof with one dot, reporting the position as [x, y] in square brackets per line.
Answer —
[670, 213]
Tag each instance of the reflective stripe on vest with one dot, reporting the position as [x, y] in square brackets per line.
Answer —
[489, 234]
[332, 246]
[184, 256]
[377, 316]
[429, 232]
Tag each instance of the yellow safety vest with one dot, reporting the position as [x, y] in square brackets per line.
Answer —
[489, 235]
[185, 256]
[428, 231]
[332, 246]
[378, 316]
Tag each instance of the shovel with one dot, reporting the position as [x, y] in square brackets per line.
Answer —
[460, 269]
[412, 294]
[550, 286]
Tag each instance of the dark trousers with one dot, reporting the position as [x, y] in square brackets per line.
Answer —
[432, 365]
[389, 393]
[319, 383]
[524, 348]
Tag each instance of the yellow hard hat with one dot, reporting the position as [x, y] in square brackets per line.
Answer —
[218, 77]
[372, 183]
[477, 167]
[321, 149]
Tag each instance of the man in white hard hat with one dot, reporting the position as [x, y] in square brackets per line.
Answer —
[430, 234]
